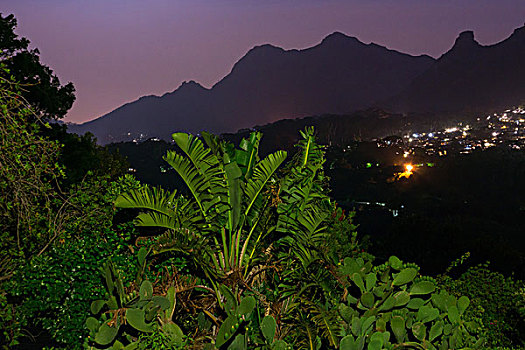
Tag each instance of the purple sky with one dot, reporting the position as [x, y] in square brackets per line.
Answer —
[115, 51]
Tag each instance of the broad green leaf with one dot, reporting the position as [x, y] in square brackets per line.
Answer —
[268, 328]
[136, 319]
[161, 302]
[280, 345]
[463, 303]
[358, 280]
[146, 290]
[346, 312]
[105, 334]
[96, 306]
[415, 303]
[117, 345]
[404, 276]
[247, 305]
[141, 256]
[174, 332]
[227, 330]
[381, 325]
[388, 304]
[401, 298]
[367, 325]
[439, 301]
[427, 314]
[92, 324]
[348, 343]
[423, 287]
[367, 299]
[248, 156]
[376, 341]
[356, 325]
[351, 299]
[453, 314]
[419, 330]
[397, 323]
[395, 263]
[370, 281]
[436, 330]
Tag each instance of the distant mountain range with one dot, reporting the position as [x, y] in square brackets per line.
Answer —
[338, 76]
[469, 78]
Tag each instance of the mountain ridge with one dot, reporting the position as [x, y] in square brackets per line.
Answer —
[469, 78]
[339, 75]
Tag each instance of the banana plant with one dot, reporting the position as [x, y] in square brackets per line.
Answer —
[223, 214]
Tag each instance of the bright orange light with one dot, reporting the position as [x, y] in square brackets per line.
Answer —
[407, 173]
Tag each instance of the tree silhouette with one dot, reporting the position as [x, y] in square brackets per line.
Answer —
[41, 88]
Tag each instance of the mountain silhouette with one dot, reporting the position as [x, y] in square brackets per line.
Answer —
[469, 78]
[338, 76]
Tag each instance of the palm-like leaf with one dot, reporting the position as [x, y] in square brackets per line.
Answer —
[261, 174]
[248, 154]
[203, 160]
[155, 199]
[226, 186]
[327, 321]
[164, 209]
[191, 244]
[201, 171]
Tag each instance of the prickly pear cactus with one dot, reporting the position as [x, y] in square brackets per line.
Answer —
[237, 331]
[121, 316]
[233, 331]
[392, 306]
[268, 329]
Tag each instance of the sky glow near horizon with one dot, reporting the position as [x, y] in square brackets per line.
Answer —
[116, 51]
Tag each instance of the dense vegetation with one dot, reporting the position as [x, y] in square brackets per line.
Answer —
[252, 253]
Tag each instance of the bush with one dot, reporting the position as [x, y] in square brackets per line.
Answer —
[53, 291]
[498, 304]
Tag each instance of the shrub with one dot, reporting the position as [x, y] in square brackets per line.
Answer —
[53, 291]
[498, 304]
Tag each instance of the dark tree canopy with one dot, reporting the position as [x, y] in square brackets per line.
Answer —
[42, 88]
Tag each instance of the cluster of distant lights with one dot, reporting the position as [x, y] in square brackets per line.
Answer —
[455, 131]
[503, 118]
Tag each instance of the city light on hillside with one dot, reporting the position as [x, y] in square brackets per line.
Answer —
[407, 173]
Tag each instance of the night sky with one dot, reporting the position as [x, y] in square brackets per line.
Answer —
[115, 51]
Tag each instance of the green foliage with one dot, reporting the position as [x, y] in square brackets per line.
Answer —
[28, 171]
[58, 287]
[126, 312]
[306, 215]
[221, 219]
[289, 287]
[234, 328]
[9, 325]
[497, 304]
[392, 304]
[55, 289]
